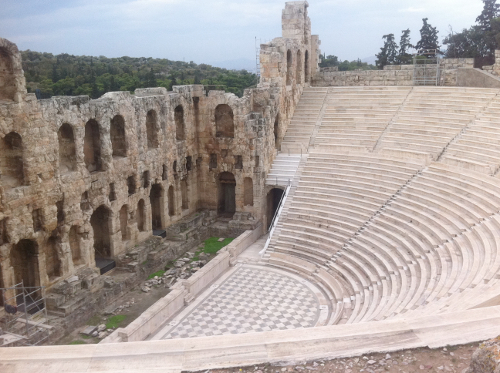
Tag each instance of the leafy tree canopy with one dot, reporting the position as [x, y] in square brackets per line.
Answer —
[332, 61]
[66, 74]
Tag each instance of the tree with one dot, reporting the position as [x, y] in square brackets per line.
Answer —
[151, 79]
[428, 37]
[469, 43]
[491, 10]
[404, 57]
[388, 52]
[328, 61]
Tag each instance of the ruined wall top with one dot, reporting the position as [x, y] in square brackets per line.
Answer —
[295, 21]
[12, 81]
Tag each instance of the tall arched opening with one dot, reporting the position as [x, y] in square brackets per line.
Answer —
[52, 260]
[124, 223]
[184, 194]
[67, 148]
[92, 146]
[74, 244]
[141, 216]
[306, 67]
[224, 121]
[156, 197]
[171, 201]
[24, 261]
[298, 73]
[227, 194]
[151, 129]
[11, 161]
[117, 134]
[7, 78]
[100, 221]
[273, 199]
[289, 64]
[180, 131]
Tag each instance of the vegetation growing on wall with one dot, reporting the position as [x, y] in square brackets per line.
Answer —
[68, 75]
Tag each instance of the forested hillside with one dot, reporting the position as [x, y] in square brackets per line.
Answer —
[64, 74]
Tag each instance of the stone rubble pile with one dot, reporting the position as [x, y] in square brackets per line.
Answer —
[183, 268]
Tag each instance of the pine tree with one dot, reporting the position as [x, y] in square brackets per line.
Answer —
[428, 37]
[404, 45]
[388, 52]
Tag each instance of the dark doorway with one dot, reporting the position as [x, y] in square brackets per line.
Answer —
[171, 202]
[156, 201]
[100, 225]
[273, 200]
[24, 260]
[227, 194]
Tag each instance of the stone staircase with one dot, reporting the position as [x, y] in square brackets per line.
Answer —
[304, 121]
[283, 170]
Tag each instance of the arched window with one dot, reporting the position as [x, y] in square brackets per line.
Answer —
[179, 123]
[248, 192]
[306, 67]
[92, 146]
[224, 121]
[67, 149]
[117, 134]
[151, 129]
[289, 64]
[11, 160]
[298, 75]
[7, 78]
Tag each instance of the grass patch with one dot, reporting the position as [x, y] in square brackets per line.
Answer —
[211, 247]
[78, 342]
[159, 274]
[115, 321]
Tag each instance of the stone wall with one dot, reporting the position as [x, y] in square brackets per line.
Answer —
[392, 75]
[82, 179]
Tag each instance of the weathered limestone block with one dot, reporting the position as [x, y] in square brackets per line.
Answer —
[486, 359]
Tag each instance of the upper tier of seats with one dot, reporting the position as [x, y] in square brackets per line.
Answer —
[387, 236]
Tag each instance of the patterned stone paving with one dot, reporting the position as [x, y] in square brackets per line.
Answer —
[251, 300]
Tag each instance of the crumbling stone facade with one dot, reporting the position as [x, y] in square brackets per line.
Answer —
[85, 180]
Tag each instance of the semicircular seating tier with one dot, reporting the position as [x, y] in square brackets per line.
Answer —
[386, 213]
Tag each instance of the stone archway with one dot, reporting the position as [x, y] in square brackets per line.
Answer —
[24, 260]
[156, 197]
[227, 194]
[273, 199]
[100, 221]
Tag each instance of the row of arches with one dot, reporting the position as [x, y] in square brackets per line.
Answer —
[299, 65]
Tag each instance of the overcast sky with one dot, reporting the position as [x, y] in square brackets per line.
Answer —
[211, 31]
